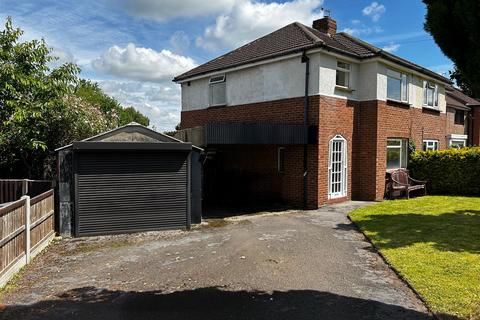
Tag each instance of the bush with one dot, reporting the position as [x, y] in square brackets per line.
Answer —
[453, 171]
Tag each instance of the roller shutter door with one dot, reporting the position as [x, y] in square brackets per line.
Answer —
[130, 191]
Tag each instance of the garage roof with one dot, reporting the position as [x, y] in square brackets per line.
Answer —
[132, 133]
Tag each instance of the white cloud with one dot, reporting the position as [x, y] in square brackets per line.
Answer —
[374, 11]
[169, 9]
[249, 19]
[142, 64]
[392, 47]
[363, 30]
[160, 102]
[180, 41]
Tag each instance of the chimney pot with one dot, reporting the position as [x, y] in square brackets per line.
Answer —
[326, 25]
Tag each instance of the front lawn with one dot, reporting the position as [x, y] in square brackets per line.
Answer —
[434, 243]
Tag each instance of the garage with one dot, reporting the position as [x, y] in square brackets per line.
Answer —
[131, 179]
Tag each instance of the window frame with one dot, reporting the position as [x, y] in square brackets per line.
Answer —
[429, 85]
[404, 84]
[281, 160]
[217, 81]
[347, 71]
[403, 153]
[452, 141]
[433, 142]
[455, 120]
[343, 170]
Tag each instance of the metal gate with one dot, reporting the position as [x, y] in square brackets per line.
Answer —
[131, 191]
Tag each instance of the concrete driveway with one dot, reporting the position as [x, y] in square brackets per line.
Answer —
[287, 265]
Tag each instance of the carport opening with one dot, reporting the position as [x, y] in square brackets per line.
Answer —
[245, 179]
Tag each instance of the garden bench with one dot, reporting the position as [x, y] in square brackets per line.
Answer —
[401, 182]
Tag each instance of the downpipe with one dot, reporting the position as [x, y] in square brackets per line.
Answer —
[306, 60]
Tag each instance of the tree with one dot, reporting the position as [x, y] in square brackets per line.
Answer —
[455, 26]
[457, 76]
[129, 114]
[37, 113]
[92, 93]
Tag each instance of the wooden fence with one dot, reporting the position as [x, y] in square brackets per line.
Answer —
[26, 228]
[13, 189]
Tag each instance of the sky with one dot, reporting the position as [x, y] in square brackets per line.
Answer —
[133, 48]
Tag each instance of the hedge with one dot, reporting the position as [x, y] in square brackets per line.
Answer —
[452, 171]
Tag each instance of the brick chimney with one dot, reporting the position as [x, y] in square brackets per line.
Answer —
[326, 25]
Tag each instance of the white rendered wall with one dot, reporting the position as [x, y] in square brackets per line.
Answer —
[286, 79]
[415, 87]
[273, 81]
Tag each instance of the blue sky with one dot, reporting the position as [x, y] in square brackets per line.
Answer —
[133, 48]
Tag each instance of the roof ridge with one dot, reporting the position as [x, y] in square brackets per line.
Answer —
[307, 31]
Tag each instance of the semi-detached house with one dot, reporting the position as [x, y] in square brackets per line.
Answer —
[310, 116]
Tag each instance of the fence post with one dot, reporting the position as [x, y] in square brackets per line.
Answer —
[27, 228]
[24, 187]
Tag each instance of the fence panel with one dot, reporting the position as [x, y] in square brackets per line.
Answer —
[13, 189]
[12, 234]
[26, 227]
[41, 218]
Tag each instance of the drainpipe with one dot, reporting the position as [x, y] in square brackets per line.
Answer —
[306, 60]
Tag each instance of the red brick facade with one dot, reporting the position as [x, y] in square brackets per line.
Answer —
[453, 127]
[365, 126]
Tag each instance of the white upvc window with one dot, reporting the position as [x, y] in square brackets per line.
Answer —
[429, 145]
[430, 94]
[281, 159]
[217, 91]
[337, 167]
[343, 74]
[397, 86]
[397, 153]
[458, 143]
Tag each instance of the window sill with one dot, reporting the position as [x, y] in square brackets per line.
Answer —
[400, 103]
[342, 88]
[431, 109]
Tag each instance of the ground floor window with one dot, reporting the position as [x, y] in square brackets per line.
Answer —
[460, 143]
[430, 145]
[337, 167]
[397, 151]
[281, 159]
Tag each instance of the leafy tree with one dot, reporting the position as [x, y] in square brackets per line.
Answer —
[458, 78]
[129, 114]
[37, 113]
[92, 93]
[455, 26]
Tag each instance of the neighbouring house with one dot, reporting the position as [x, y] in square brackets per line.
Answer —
[129, 179]
[309, 116]
[462, 110]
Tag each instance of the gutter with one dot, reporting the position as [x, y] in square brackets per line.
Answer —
[306, 60]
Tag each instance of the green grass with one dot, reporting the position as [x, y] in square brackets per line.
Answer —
[434, 243]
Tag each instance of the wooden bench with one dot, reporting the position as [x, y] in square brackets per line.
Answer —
[401, 182]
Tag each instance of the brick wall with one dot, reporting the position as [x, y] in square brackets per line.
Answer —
[452, 127]
[288, 111]
[336, 117]
[365, 125]
[376, 122]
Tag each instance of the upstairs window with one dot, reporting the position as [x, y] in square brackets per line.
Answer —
[343, 74]
[430, 94]
[397, 150]
[397, 86]
[217, 93]
[430, 145]
[460, 117]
